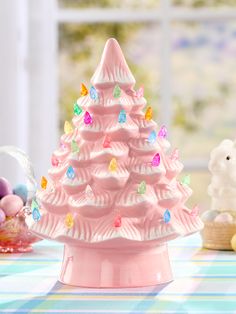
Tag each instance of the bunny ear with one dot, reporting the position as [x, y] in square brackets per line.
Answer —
[227, 143]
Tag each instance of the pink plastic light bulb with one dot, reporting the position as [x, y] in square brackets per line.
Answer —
[87, 118]
[54, 161]
[62, 146]
[107, 142]
[195, 211]
[139, 93]
[117, 221]
[163, 132]
[175, 155]
[156, 160]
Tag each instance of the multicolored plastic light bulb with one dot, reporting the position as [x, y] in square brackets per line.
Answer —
[175, 155]
[142, 188]
[35, 211]
[167, 216]
[44, 183]
[186, 180]
[87, 118]
[34, 204]
[77, 109]
[107, 142]
[69, 221]
[117, 221]
[113, 165]
[83, 90]
[117, 91]
[156, 160]
[122, 116]
[148, 114]
[89, 192]
[162, 132]
[74, 147]
[140, 92]
[54, 161]
[68, 127]
[93, 93]
[70, 173]
[152, 137]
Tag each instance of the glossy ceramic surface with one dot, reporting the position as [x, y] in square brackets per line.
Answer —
[117, 266]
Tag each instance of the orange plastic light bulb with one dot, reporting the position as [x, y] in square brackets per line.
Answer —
[44, 183]
[83, 90]
[69, 221]
[113, 165]
[68, 127]
[148, 113]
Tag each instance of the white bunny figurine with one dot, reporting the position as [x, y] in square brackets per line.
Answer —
[222, 165]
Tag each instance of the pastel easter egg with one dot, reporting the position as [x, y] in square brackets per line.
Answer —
[233, 242]
[224, 218]
[5, 187]
[209, 215]
[22, 191]
[2, 216]
[11, 204]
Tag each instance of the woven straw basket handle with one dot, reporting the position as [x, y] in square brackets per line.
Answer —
[25, 163]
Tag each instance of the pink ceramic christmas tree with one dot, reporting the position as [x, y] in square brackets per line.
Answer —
[112, 196]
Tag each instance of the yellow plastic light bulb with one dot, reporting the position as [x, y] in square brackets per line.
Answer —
[44, 183]
[113, 165]
[148, 113]
[68, 127]
[69, 221]
[83, 90]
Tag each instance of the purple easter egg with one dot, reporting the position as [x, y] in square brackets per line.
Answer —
[2, 216]
[5, 187]
[11, 204]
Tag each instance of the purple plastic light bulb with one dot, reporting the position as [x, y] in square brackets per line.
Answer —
[87, 118]
[156, 160]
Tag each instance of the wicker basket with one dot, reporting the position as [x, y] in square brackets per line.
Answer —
[217, 236]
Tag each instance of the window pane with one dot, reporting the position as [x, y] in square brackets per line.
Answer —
[80, 52]
[204, 3]
[204, 83]
[109, 3]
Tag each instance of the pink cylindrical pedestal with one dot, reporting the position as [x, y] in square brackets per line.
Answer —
[116, 267]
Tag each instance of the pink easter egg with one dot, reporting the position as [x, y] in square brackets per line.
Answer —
[2, 216]
[11, 204]
[224, 218]
[5, 187]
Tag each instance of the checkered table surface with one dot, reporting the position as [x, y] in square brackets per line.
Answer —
[205, 282]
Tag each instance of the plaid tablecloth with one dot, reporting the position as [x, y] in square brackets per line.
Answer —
[205, 282]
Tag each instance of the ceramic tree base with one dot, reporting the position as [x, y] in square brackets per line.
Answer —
[94, 267]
